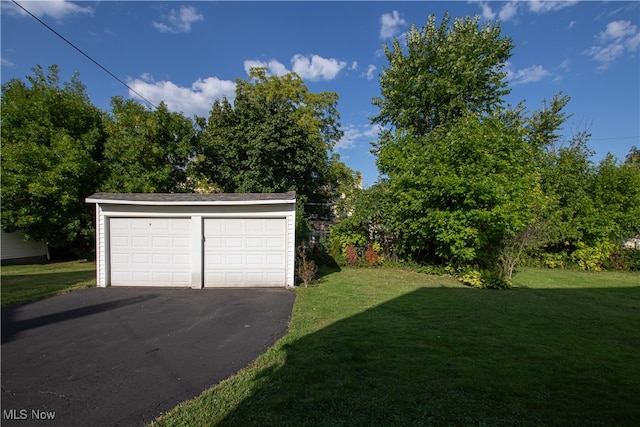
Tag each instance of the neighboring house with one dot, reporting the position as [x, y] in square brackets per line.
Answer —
[195, 240]
[15, 250]
[633, 243]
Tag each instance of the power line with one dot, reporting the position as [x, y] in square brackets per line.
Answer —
[614, 138]
[86, 55]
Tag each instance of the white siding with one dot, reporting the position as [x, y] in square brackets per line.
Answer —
[14, 247]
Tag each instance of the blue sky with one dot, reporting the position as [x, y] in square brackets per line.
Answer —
[190, 53]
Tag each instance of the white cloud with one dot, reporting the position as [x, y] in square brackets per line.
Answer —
[544, 6]
[7, 63]
[571, 24]
[616, 30]
[391, 24]
[487, 12]
[179, 20]
[315, 67]
[527, 75]
[565, 65]
[632, 43]
[57, 9]
[617, 38]
[508, 11]
[353, 133]
[196, 99]
[354, 66]
[273, 67]
[310, 67]
[370, 73]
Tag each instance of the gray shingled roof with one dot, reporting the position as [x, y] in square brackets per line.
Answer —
[123, 198]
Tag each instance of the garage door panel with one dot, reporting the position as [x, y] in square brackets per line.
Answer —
[150, 251]
[244, 252]
[138, 258]
[274, 242]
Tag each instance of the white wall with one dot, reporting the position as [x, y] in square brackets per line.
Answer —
[14, 247]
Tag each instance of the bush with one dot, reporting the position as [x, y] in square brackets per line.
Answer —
[351, 254]
[372, 256]
[306, 269]
[554, 259]
[592, 258]
[624, 260]
[485, 279]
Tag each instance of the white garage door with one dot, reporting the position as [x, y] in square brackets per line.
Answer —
[150, 251]
[244, 252]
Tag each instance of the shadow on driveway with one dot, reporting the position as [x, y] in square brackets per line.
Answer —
[123, 356]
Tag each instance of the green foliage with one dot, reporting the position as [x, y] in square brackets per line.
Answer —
[470, 182]
[555, 259]
[463, 188]
[147, 151]
[624, 260]
[592, 258]
[485, 279]
[274, 138]
[443, 72]
[52, 140]
[368, 223]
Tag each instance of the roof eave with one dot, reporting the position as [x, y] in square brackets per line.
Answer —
[190, 203]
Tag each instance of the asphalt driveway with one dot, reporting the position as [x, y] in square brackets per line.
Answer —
[123, 356]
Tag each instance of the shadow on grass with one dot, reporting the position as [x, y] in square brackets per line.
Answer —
[447, 356]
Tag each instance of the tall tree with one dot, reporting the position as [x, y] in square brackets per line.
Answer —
[444, 71]
[147, 151]
[277, 136]
[52, 144]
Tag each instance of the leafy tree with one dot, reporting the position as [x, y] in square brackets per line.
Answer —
[276, 137]
[616, 191]
[52, 142]
[633, 157]
[370, 221]
[465, 189]
[344, 184]
[444, 72]
[147, 151]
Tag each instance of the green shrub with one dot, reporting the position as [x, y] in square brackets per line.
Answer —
[592, 258]
[554, 259]
[484, 279]
[472, 278]
[623, 259]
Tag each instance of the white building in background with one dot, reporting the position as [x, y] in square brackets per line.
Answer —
[15, 250]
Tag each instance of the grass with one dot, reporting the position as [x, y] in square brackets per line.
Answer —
[24, 283]
[388, 347]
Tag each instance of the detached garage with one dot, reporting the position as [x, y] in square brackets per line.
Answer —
[195, 240]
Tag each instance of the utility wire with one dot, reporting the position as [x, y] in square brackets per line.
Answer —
[87, 56]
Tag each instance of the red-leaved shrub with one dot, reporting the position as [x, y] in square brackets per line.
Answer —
[352, 255]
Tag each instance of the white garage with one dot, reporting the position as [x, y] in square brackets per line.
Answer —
[195, 240]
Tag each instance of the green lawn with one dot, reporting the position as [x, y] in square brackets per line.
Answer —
[24, 283]
[388, 347]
